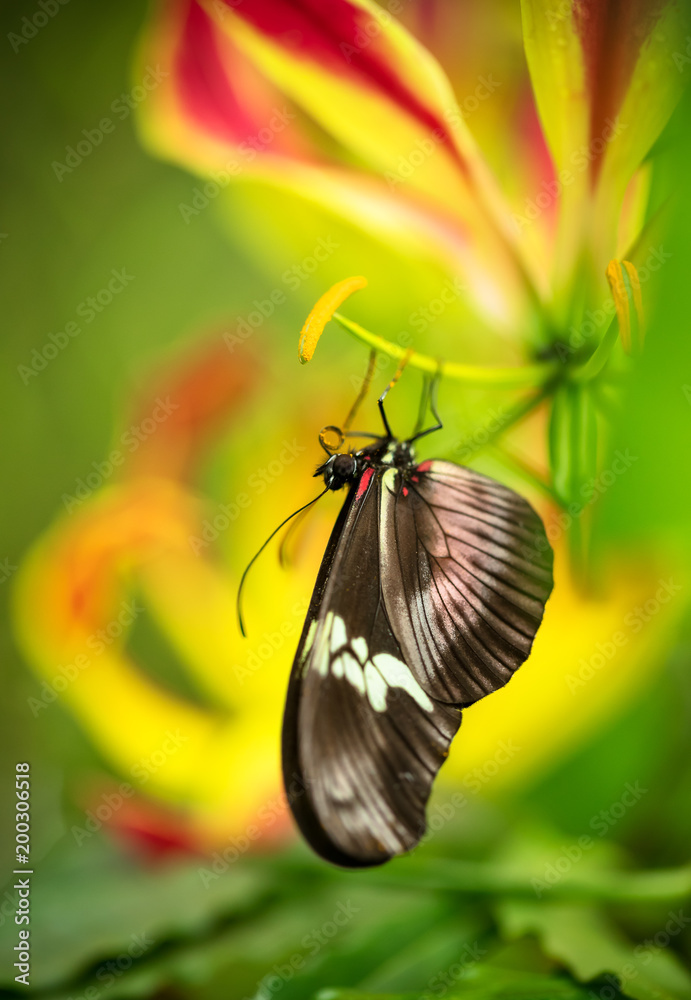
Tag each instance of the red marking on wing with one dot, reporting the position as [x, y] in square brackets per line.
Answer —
[425, 466]
[364, 483]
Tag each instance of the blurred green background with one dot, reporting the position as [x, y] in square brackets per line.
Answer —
[464, 915]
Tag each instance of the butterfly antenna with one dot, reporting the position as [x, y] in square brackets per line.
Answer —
[364, 389]
[380, 402]
[254, 558]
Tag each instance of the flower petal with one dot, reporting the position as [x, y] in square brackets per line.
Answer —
[214, 109]
[605, 83]
[374, 88]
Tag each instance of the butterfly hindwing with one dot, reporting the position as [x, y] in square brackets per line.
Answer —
[362, 741]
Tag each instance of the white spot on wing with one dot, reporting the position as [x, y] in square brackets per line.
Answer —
[359, 647]
[339, 637]
[376, 688]
[320, 656]
[397, 674]
[371, 677]
[347, 666]
[353, 672]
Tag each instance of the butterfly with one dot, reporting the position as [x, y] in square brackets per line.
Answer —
[430, 592]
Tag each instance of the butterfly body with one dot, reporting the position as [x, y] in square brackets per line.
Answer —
[429, 595]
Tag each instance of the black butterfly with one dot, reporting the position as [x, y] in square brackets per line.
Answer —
[429, 596]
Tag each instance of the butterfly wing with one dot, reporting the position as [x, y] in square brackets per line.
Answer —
[466, 572]
[362, 740]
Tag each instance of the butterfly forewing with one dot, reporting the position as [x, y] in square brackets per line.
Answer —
[362, 741]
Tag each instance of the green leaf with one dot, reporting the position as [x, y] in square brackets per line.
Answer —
[584, 939]
[481, 982]
[91, 903]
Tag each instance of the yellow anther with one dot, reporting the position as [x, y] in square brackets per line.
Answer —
[322, 313]
[626, 290]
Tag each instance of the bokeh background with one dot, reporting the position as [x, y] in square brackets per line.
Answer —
[149, 455]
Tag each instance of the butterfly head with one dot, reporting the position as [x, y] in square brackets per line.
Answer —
[340, 470]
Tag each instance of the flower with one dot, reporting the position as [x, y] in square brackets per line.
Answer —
[340, 104]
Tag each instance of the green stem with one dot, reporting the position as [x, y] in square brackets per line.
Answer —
[527, 376]
[663, 885]
[491, 878]
[600, 356]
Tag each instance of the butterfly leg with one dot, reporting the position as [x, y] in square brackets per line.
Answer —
[363, 391]
[424, 403]
[429, 397]
[392, 383]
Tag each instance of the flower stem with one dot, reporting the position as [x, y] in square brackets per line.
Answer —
[527, 376]
[598, 359]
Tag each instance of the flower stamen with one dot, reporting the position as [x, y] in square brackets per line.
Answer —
[323, 312]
